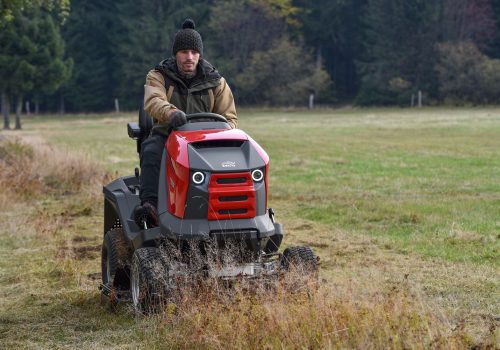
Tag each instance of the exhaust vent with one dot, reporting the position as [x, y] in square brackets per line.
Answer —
[217, 144]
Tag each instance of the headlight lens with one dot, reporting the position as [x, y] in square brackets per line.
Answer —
[257, 175]
[198, 177]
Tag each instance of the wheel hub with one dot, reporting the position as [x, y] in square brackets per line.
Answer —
[134, 286]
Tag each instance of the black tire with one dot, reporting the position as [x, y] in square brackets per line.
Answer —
[115, 260]
[300, 259]
[149, 280]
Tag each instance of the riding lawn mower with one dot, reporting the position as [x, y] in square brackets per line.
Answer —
[212, 202]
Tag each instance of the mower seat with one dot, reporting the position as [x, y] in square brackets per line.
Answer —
[141, 130]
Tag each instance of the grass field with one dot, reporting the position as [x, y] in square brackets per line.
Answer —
[402, 206]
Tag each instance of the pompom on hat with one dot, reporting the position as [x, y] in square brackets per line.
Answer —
[187, 38]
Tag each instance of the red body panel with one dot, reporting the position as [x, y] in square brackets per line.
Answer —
[178, 183]
[260, 150]
[177, 163]
[177, 172]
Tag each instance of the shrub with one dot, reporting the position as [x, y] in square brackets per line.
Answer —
[467, 75]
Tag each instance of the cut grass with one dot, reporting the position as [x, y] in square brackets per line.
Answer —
[401, 206]
[393, 174]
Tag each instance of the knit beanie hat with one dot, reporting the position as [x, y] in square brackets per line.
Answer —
[187, 38]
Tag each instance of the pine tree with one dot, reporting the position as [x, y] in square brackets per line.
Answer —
[262, 66]
[142, 38]
[17, 63]
[8, 49]
[334, 29]
[10, 9]
[140, 41]
[89, 43]
[53, 69]
[495, 45]
[399, 51]
[233, 41]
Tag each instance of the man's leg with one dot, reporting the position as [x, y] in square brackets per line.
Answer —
[151, 153]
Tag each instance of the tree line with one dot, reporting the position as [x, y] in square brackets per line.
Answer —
[80, 56]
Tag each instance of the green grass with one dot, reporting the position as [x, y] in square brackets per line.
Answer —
[426, 180]
[386, 197]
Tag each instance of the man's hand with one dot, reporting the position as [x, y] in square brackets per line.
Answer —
[177, 118]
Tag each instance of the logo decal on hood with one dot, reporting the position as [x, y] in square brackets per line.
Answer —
[228, 164]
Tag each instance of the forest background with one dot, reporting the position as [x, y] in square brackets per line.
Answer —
[81, 56]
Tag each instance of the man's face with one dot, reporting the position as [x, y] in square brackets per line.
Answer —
[187, 60]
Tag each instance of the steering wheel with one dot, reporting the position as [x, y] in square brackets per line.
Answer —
[203, 116]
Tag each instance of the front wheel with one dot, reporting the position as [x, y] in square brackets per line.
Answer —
[149, 280]
[300, 259]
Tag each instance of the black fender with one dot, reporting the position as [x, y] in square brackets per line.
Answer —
[121, 196]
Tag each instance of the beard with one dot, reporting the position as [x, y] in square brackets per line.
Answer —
[186, 74]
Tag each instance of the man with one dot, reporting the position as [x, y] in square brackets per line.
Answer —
[183, 83]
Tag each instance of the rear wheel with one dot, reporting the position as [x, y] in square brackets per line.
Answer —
[149, 280]
[115, 260]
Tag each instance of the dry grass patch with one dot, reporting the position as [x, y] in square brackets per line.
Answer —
[464, 292]
[323, 317]
[32, 168]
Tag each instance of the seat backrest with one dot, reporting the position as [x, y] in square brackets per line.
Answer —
[140, 131]
[145, 122]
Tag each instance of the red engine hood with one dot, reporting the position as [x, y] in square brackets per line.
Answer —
[178, 169]
[209, 135]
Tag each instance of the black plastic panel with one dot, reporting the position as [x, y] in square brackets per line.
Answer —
[197, 200]
[224, 159]
[119, 203]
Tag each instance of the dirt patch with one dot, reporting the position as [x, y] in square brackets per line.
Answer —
[460, 236]
[87, 252]
[47, 224]
[79, 252]
[78, 239]
[303, 227]
[315, 244]
[96, 276]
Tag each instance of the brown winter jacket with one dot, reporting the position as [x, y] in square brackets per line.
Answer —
[165, 90]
